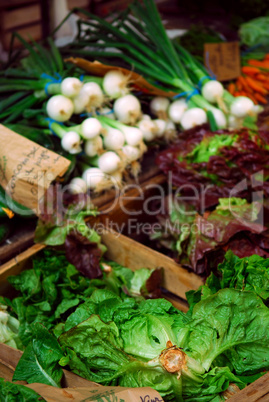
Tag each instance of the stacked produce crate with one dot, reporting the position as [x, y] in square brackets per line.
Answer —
[141, 186]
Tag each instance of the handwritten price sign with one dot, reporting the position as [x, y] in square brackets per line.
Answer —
[222, 60]
[26, 168]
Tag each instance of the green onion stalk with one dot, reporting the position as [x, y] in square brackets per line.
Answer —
[142, 43]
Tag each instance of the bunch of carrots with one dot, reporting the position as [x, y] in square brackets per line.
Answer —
[253, 81]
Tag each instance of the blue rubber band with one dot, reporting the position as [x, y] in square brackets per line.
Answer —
[180, 95]
[51, 121]
[206, 77]
[82, 77]
[52, 79]
[188, 94]
[194, 92]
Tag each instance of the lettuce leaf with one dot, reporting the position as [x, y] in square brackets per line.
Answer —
[248, 273]
[234, 323]
[39, 362]
[200, 241]
[53, 290]
[17, 393]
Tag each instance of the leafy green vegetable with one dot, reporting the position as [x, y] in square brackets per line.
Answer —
[17, 393]
[255, 32]
[233, 323]
[248, 273]
[210, 146]
[9, 328]
[199, 240]
[39, 362]
[54, 289]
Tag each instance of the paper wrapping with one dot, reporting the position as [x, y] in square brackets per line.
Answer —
[99, 69]
[96, 394]
[26, 168]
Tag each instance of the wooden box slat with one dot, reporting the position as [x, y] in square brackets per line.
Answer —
[9, 358]
[13, 18]
[30, 32]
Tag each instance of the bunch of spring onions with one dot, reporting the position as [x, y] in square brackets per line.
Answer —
[139, 39]
[113, 140]
[45, 94]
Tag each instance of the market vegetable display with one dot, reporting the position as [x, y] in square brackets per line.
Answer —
[254, 81]
[199, 241]
[99, 123]
[54, 288]
[214, 164]
[141, 42]
[112, 338]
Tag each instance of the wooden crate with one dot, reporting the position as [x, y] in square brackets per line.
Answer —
[129, 253]
[23, 238]
[78, 3]
[23, 17]
[75, 388]
[16, 17]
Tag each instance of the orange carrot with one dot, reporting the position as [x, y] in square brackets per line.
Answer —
[237, 93]
[239, 85]
[257, 63]
[266, 85]
[256, 86]
[260, 98]
[231, 88]
[244, 83]
[261, 77]
[250, 70]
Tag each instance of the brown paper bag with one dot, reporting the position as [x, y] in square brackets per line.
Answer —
[99, 69]
[100, 394]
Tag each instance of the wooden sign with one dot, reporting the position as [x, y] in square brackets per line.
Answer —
[222, 60]
[26, 168]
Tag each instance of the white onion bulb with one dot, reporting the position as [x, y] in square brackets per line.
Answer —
[71, 142]
[80, 102]
[148, 128]
[133, 136]
[176, 110]
[95, 94]
[159, 106]
[160, 127]
[115, 84]
[219, 117]
[71, 87]
[131, 153]
[114, 139]
[127, 109]
[60, 108]
[212, 91]
[90, 128]
[241, 106]
[109, 162]
[234, 122]
[93, 177]
[94, 146]
[77, 186]
[193, 117]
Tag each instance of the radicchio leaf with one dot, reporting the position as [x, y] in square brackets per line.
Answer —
[84, 254]
[248, 154]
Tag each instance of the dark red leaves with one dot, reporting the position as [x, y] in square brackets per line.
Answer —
[82, 253]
